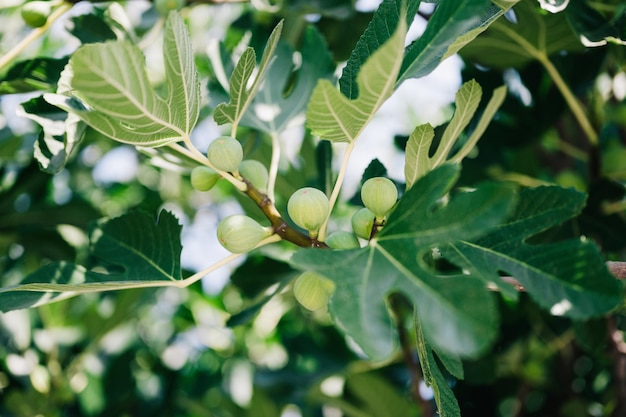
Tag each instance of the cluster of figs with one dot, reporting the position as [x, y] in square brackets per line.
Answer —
[308, 208]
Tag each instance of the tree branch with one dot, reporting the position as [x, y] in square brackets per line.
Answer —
[281, 228]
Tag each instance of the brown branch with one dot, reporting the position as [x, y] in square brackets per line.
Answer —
[280, 226]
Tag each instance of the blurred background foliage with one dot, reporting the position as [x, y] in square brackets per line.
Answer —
[221, 348]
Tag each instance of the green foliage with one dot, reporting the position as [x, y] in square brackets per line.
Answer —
[487, 283]
[134, 250]
[569, 277]
[419, 160]
[336, 118]
[278, 105]
[240, 94]
[112, 82]
[452, 317]
[532, 34]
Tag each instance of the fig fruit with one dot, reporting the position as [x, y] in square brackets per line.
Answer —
[163, 7]
[203, 178]
[239, 233]
[379, 194]
[342, 240]
[35, 13]
[308, 208]
[313, 290]
[362, 222]
[225, 153]
[255, 172]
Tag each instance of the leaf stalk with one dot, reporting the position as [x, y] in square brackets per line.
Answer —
[336, 189]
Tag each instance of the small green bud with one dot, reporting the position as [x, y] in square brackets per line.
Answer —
[163, 7]
[342, 240]
[313, 290]
[225, 153]
[35, 13]
[203, 178]
[379, 194]
[362, 222]
[308, 208]
[239, 233]
[255, 172]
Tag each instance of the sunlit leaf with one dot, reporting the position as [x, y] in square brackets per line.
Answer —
[276, 107]
[418, 159]
[241, 93]
[467, 100]
[111, 80]
[137, 252]
[334, 117]
[60, 133]
[379, 30]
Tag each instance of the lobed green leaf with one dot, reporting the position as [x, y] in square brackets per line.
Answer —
[451, 20]
[136, 251]
[515, 43]
[335, 117]
[273, 109]
[241, 94]
[447, 405]
[568, 278]
[458, 313]
[61, 132]
[111, 80]
[380, 29]
[418, 159]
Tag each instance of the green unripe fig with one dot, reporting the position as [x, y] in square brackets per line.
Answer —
[240, 234]
[35, 13]
[313, 290]
[362, 222]
[225, 153]
[342, 240]
[379, 194]
[308, 208]
[255, 172]
[163, 7]
[203, 178]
